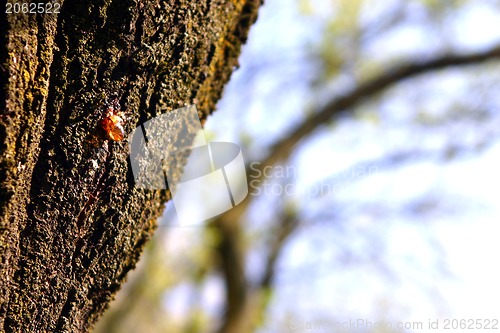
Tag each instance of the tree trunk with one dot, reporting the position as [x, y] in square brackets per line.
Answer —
[72, 222]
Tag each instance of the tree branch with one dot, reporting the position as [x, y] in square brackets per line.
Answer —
[283, 149]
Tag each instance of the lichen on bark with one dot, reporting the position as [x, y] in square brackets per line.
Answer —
[73, 224]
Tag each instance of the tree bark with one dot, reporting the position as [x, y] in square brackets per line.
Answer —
[72, 223]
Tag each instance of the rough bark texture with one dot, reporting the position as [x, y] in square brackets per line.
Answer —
[72, 223]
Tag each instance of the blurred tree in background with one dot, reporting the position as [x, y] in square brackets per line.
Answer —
[367, 128]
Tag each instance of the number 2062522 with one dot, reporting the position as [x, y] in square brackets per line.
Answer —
[32, 8]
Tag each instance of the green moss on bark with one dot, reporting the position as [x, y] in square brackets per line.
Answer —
[72, 222]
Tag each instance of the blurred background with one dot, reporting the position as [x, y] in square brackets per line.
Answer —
[382, 212]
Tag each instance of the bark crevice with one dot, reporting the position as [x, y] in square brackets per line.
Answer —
[72, 223]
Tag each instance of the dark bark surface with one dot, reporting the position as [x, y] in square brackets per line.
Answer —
[72, 222]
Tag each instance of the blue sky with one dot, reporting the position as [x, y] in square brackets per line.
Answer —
[424, 234]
